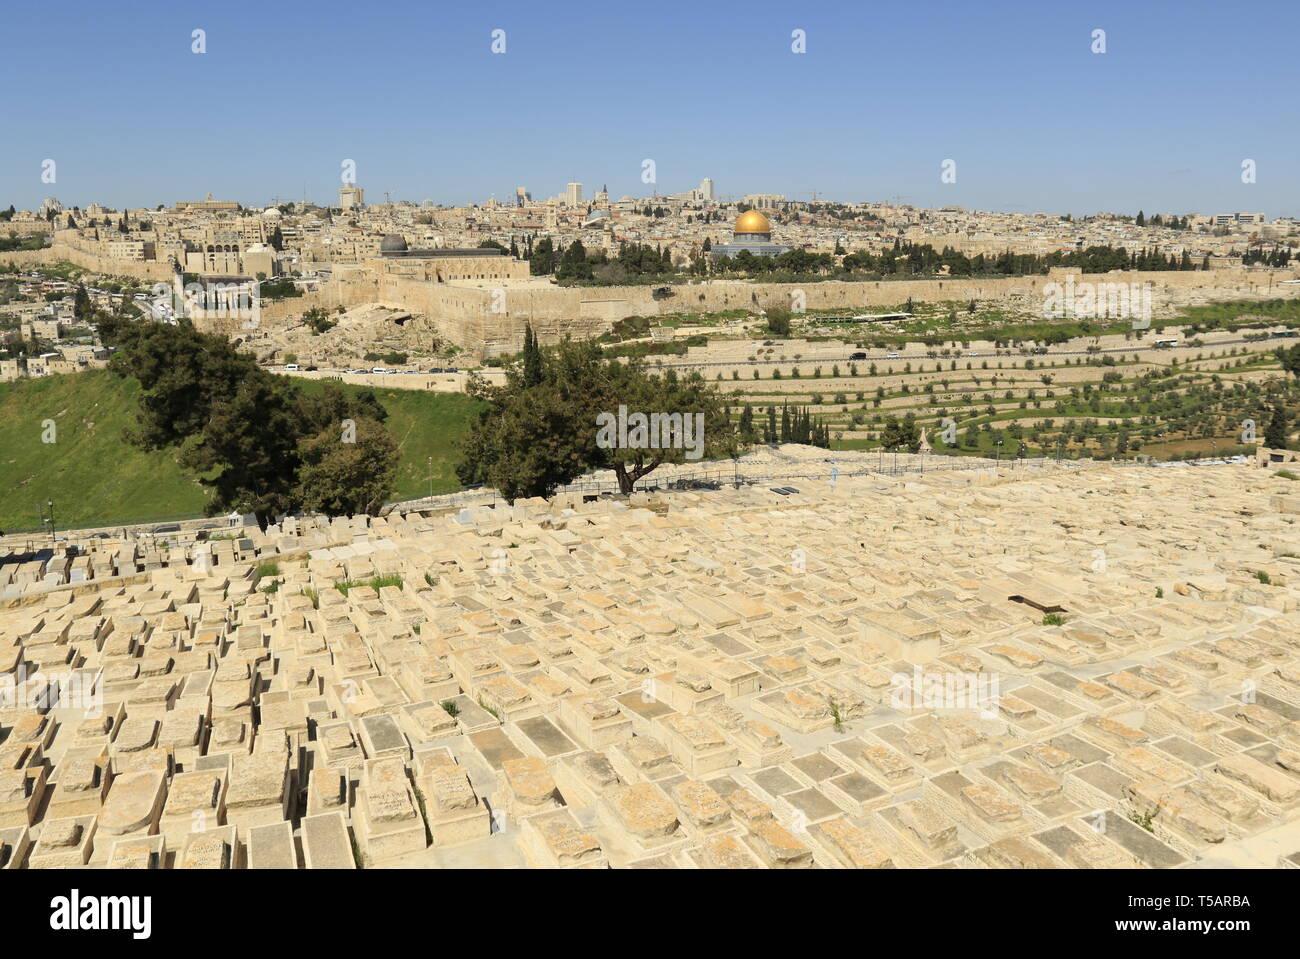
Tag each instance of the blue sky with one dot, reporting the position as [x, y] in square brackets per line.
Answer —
[885, 93]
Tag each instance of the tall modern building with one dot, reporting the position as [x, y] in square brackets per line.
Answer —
[573, 196]
[706, 189]
[351, 198]
[522, 196]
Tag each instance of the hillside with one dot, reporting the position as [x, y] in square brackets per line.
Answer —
[95, 478]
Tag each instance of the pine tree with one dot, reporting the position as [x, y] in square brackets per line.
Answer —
[81, 307]
[746, 427]
[532, 358]
[1278, 429]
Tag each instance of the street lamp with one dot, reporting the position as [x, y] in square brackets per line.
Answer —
[41, 510]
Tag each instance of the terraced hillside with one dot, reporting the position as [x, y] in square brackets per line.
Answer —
[1111, 392]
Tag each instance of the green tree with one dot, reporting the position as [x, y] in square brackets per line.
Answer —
[1277, 433]
[532, 358]
[1290, 359]
[541, 262]
[746, 427]
[573, 263]
[81, 305]
[778, 321]
[533, 438]
[902, 434]
[244, 432]
[347, 470]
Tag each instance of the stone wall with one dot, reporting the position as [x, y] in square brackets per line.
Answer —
[487, 319]
[151, 272]
[465, 314]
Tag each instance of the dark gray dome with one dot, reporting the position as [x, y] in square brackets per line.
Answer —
[393, 243]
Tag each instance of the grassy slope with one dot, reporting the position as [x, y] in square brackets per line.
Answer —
[95, 478]
[424, 424]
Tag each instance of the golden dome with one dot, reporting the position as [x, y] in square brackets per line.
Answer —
[752, 222]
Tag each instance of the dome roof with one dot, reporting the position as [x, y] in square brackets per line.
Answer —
[271, 213]
[752, 222]
[393, 243]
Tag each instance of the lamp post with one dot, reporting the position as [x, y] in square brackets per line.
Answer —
[430, 477]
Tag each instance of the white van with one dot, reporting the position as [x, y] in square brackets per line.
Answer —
[291, 367]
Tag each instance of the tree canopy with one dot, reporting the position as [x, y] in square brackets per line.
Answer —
[258, 442]
[551, 421]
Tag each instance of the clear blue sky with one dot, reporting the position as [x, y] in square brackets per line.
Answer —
[411, 91]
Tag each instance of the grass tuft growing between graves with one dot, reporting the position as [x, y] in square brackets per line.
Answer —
[375, 582]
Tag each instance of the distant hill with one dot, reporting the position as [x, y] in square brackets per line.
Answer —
[95, 478]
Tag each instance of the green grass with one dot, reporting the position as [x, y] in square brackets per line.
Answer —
[424, 425]
[91, 474]
[96, 479]
[1143, 819]
[375, 582]
[836, 716]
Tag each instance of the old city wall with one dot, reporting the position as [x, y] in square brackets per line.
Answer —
[1165, 286]
[487, 321]
[61, 252]
[555, 312]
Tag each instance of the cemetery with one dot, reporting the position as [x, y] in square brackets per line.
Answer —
[851, 674]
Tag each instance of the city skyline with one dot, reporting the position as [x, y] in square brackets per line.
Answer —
[1032, 118]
